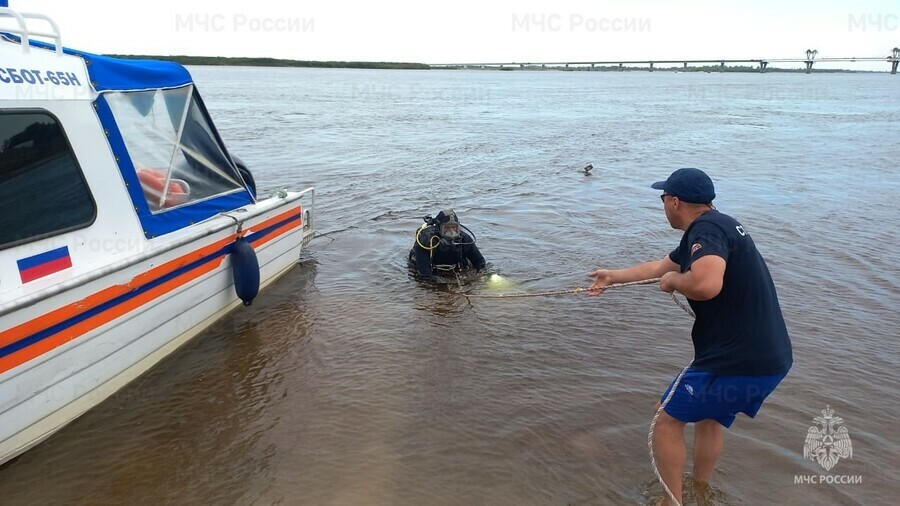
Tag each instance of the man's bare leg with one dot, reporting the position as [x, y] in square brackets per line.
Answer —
[669, 451]
[707, 448]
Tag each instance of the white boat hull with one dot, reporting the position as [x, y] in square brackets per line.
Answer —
[117, 326]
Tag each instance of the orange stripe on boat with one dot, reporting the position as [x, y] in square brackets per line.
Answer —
[275, 219]
[43, 346]
[64, 313]
[74, 309]
[277, 232]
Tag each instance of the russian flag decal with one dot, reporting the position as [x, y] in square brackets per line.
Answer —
[45, 264]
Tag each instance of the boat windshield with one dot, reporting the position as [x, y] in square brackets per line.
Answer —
[175, 152]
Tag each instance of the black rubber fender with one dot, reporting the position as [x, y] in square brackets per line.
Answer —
[245, 270]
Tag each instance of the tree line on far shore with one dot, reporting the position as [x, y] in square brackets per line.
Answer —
[276, 62]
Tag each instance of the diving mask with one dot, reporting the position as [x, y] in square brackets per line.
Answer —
[450, 230]
[448, 224]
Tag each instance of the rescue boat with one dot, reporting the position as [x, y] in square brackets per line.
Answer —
[126, 225]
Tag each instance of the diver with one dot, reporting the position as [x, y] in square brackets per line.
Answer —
[442, 247]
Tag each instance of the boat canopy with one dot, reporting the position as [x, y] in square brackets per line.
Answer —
[121, 74]
[175, 166]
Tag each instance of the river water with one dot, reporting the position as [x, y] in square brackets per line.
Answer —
[349, 382]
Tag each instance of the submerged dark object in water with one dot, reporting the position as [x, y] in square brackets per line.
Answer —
[245, 269]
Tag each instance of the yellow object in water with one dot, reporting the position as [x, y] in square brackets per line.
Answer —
[498, 282]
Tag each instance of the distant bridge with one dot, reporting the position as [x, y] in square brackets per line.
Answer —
[893, 60]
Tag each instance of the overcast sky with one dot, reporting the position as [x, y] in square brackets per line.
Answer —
[480, 31]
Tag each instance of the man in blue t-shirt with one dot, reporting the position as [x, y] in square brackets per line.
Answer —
[741, 345]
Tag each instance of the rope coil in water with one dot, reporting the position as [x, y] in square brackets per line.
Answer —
[675, 383]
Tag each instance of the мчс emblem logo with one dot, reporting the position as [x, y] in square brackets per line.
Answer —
[827, 441]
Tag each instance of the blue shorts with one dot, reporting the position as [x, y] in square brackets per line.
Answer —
[704, 396]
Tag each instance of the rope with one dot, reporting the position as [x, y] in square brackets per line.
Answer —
[675, 383]
[659, 411]
[682, 306]
[556, 292]
[662, 406]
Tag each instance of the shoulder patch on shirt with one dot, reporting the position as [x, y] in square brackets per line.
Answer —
[696, 247]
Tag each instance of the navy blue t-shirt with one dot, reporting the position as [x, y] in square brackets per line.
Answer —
[740, 331]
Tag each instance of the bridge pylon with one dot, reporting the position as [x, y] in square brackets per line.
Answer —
[810, 57]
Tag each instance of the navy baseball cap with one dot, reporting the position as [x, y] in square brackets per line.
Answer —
[690, 185]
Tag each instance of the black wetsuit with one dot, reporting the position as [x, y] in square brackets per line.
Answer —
[460, 253]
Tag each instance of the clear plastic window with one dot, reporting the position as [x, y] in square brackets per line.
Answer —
[175, 153]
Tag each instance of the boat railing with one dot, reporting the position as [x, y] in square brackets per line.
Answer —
[23, 31]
